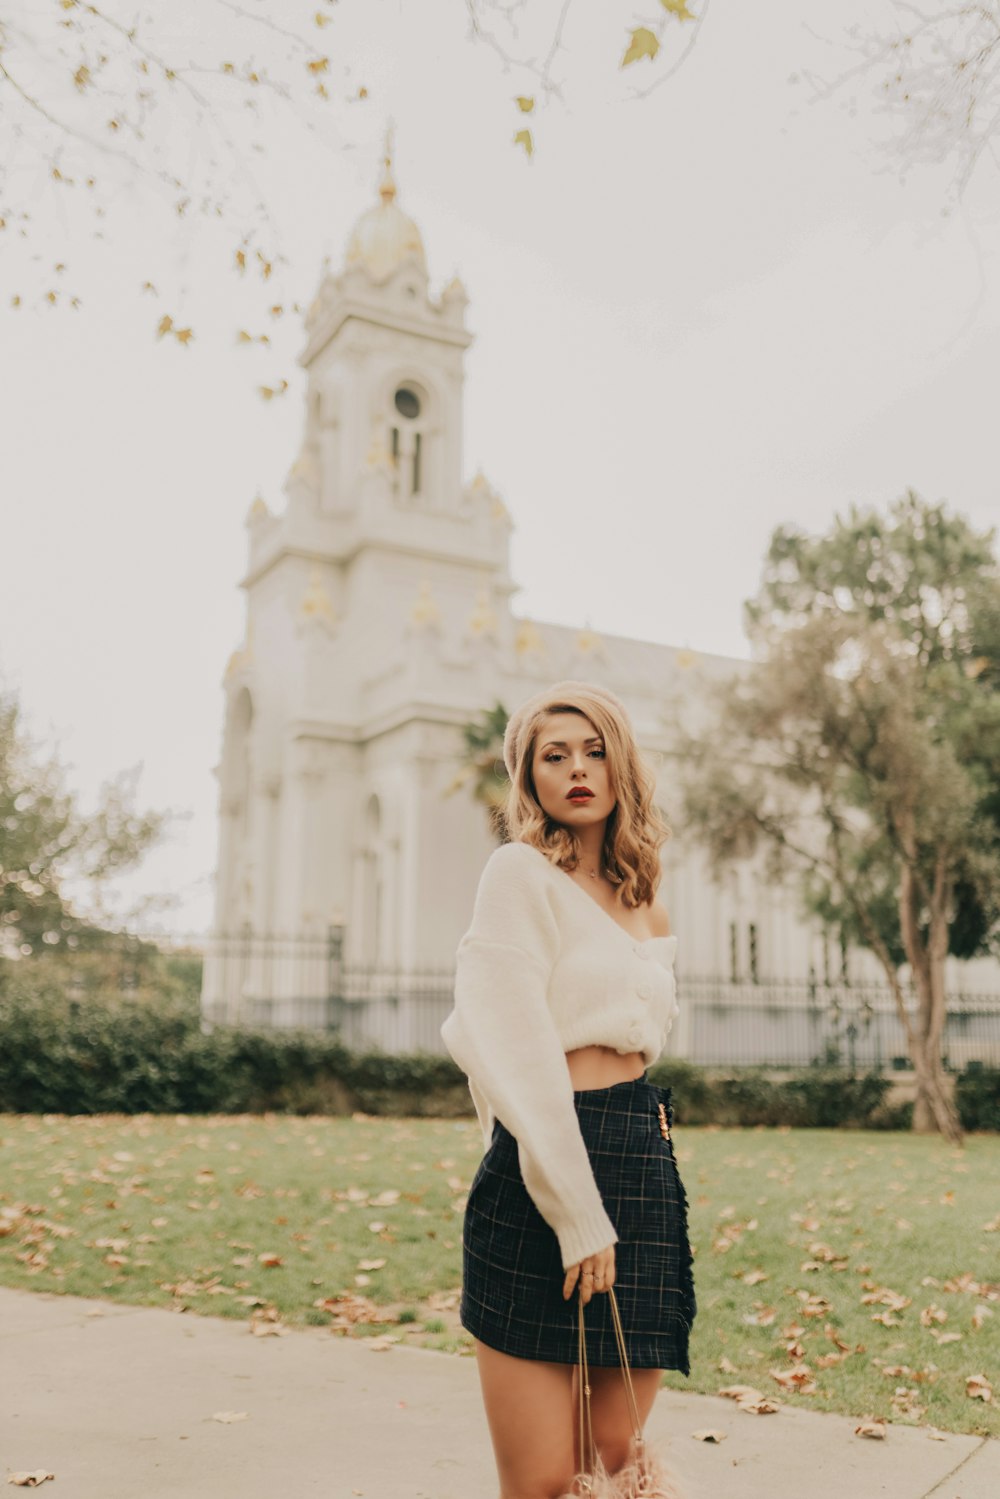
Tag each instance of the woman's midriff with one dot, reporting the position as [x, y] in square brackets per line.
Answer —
[602, 1067]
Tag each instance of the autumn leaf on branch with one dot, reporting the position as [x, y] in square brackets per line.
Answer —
[642, 43]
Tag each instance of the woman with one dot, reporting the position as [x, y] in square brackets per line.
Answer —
[564, 994]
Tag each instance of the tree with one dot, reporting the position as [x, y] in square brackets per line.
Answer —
[530, 45]
[105, 109]
[98, 100]
[46, 841]
[937, 75]
[483, 765]
[862, 750]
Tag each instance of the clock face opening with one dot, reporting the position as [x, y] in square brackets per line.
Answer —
[407, 403]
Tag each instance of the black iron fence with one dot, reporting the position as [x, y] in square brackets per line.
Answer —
[257, 979]
[857, 1025]
[305, 982]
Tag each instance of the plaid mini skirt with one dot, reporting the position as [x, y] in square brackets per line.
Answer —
[512, 1274]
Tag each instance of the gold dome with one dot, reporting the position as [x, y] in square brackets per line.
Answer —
[384, 237]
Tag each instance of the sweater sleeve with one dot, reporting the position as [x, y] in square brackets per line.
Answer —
[502, 1034]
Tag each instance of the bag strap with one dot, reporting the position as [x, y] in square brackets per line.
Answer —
[587, 1454]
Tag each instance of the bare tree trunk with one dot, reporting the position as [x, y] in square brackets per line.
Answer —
[934, 1109]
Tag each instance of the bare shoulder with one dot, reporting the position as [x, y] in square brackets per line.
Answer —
[659, 918]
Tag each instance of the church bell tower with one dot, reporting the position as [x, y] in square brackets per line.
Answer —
[377, 616]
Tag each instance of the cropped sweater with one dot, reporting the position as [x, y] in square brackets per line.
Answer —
[544, 969]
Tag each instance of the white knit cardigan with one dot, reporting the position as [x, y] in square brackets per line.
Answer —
[544, 969]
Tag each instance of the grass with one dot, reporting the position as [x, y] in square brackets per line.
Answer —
[270, 1217]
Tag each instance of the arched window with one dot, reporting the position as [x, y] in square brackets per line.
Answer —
[408, 438]
[371, 883]
[238, 802]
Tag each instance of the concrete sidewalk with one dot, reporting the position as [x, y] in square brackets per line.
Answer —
[118, 1402]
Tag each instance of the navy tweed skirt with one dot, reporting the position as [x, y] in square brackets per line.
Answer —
[512, 1274]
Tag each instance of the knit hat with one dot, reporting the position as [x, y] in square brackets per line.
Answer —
[513, 739]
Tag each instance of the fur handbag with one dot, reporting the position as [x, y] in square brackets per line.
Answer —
[644, 1475]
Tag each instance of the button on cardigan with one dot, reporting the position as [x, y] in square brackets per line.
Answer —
[543, 969]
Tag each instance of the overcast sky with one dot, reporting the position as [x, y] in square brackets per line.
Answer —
[697, 316]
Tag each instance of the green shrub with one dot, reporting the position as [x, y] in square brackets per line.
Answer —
[977, 1096]
[818, 1097]
[65, 1056]
[90, 1056]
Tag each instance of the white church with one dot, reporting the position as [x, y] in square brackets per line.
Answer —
[378, 623]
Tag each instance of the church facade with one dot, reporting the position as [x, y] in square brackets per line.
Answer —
[379, 622]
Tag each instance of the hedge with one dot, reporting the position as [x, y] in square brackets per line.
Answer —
[977, 1097]
[63, 1056]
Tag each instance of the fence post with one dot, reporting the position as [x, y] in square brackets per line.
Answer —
[334, 972]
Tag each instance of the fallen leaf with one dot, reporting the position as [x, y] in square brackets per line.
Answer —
[708, 1435]
[906, 1402]
[269, 1260]
[798, 1379]
[750, 1400]
[267, 1323]
[871, 1428]
[978, 1387]
[883, 1296]
[30, 1480]
[370, 1264]
[740, 1392]
[228, 1417]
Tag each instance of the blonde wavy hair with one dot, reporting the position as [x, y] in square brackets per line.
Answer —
[635, 829]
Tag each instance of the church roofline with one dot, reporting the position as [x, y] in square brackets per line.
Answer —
[485, 558]
[364, 312]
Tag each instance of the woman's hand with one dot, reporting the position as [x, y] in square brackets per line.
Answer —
[595, 1273]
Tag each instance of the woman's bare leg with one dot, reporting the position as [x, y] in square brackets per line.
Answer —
[609, 1412]
[529, 1408]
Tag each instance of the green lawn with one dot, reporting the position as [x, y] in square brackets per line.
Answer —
[792, 1229]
